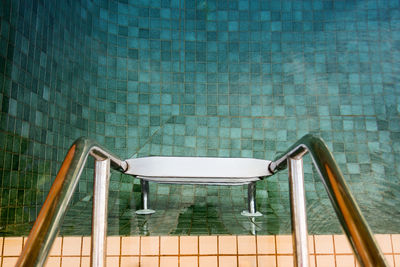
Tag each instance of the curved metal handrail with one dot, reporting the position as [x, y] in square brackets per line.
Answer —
[346, 208]
[53, 210]
[49, 220]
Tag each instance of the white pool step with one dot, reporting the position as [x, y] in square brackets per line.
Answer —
[198, 170]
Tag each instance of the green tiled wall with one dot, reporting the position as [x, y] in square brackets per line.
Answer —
[234, 78]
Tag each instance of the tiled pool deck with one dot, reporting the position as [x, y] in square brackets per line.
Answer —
[217, 78]
[203, 251]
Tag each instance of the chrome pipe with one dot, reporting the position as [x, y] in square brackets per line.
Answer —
[298, 212]
[99, 219]
[51, 215]
[144, 184]
[353, 223]
[251, 201]
[145, 194]
[100, 154]
[251, 195]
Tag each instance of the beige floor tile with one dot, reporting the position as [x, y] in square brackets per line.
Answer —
[247, 261]
[246, 244]
[112, 260]
[71, 246]
[56, 248]
[70, 261]
[148, 261]
[129, 261]
[342, 245]
[345, 261]
[284, 244]
[266, 244]
[397, 260]
[188, 261]
[208, 245]
[227, 244]
[113, 245]
[10, 261]
[53, 262]
[1, 246]
[188, 245]
[266, 261]
[227, 261]
[86, 242]
[12, 246]
[149, 245]
[390, 260]
[396, 243]
[85, 262]
[325, 260]
[169, 245]
[208, 261]
[323, 244]
[168, 261]
[311, 260]
[285, 261]
[384, 242]
[130, 245]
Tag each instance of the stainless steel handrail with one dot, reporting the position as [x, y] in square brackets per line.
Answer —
[53, 210]
[51, 215]
[346, 208]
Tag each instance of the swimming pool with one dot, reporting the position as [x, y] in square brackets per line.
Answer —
[200, 78]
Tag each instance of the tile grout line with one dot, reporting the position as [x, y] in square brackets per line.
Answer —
[276, 251]
[391, 246]
[256, 250]
[334, 250]
[22, 245]
[159, 251]
[2, 251]
[120, 251]
[232, 255]
[217, 251]
[237, 250]
[140, 250]
[80, 260]
[179, 251]
[62, 249]
[394, 254]
[315, 251]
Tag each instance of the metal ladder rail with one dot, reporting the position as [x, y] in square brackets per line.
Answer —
[51, 215]
[353, 223]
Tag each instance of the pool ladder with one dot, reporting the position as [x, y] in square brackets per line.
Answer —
[51, 215]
